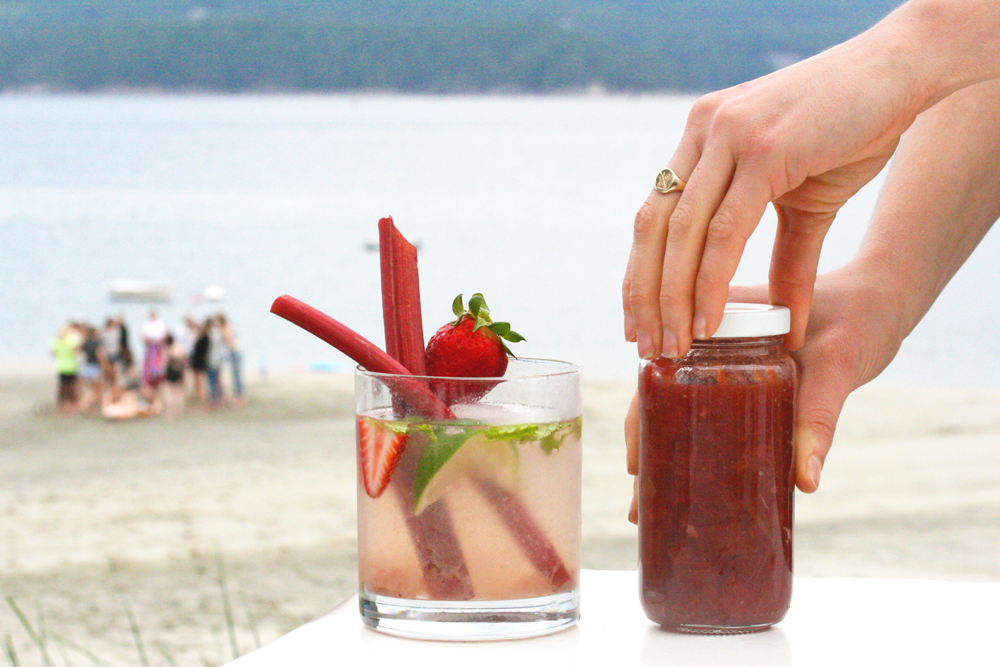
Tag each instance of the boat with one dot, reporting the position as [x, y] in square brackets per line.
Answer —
[138, 291]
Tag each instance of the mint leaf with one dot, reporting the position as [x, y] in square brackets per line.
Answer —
[514, 432]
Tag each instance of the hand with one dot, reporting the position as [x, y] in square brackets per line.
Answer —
[806, 138]
[853, 334]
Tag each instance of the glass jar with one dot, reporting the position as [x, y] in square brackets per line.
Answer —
[716, 478]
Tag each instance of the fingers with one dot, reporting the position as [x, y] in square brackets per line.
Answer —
[725, 239]
[794, 261]
[632, 435]
[632, 453]
[641, 287]
[822, 393]
[633, 510]
[685, 251]
[682, 256]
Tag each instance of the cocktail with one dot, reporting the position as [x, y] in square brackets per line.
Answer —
[476, 533]
[468, 468]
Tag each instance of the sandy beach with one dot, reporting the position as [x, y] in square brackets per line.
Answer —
[188, 541]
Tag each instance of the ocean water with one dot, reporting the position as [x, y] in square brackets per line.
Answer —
[529, 200]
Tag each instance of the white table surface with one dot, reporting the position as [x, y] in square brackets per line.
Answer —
[884, 622]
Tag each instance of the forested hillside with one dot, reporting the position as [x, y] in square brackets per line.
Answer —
[412, 45]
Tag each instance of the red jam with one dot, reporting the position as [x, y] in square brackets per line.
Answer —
[716, 484]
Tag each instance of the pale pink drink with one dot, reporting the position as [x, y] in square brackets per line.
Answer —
[477, 533]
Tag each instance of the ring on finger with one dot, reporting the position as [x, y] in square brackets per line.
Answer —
[667, 181]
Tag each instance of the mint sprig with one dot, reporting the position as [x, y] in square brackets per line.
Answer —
[444, 442]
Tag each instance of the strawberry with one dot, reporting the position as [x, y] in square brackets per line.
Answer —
[381, 447]
[472, 346]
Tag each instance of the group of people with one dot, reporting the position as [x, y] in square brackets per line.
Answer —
[98, 369]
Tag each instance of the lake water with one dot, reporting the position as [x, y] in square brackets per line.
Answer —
[529, 200]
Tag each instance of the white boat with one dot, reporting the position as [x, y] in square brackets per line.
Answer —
[138, 291]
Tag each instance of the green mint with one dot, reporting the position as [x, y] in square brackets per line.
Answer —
[444, 441]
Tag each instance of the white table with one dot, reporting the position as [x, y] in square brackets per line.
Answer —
[884, 622]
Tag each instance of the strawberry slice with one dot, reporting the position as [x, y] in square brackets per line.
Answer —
[380, 449]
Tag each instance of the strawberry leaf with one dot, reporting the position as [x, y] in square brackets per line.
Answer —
[501, 329]
[478, 307]
[514, 337]
[457, 307]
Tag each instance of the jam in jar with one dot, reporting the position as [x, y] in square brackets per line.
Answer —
[716, 478]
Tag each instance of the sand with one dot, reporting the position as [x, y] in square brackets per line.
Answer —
[192, 540]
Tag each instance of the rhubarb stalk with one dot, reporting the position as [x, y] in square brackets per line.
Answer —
[363, 351]
[404, 328]
[442, 562]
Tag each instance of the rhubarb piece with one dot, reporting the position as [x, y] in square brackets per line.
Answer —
[529, 535]
[442, 562]
[404, 329]
[363, 351]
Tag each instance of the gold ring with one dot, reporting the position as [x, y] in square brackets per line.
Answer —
[667, 182]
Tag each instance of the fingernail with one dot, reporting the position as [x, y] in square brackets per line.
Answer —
[629, 327]
[699, 329]
[644, 343]
[813, 468]
[633, 511]
[669, 348]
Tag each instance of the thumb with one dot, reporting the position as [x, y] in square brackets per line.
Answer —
[822, 394]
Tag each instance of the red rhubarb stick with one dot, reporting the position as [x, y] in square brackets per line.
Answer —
[442, 562]
[404, 328]
[529, 535]
[363, 351]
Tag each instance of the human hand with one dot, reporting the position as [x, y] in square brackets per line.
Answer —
[854, 332]
[806, 138]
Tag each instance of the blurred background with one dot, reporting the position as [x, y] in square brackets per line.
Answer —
[221, 153]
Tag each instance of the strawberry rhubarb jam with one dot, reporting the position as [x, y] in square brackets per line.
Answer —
[716, 478]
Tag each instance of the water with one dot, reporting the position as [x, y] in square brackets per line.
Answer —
[528, 200]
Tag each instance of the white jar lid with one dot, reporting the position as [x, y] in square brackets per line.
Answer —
[749, 320]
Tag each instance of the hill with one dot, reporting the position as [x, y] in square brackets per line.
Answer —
[410, 45]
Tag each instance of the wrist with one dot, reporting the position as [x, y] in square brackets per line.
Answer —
[940, 46]
[896, 294]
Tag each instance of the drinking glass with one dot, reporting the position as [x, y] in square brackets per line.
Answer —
[477, 533]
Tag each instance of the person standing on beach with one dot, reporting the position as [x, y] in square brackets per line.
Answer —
[216, 357]
[112, 342]
[91, 369]
[154, 335]
[807, 138]
[198, 363]
[66, 349]
[176, 365]
[233, 354]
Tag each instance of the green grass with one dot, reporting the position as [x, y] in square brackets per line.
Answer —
[70, 654]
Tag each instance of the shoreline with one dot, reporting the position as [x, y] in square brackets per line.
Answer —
[252, 509]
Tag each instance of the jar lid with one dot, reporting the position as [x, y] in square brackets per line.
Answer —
[749, 320]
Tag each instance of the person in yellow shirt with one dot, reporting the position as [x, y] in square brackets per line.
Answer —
[66, 350]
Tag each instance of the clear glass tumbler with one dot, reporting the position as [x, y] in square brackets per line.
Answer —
[476, 535]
